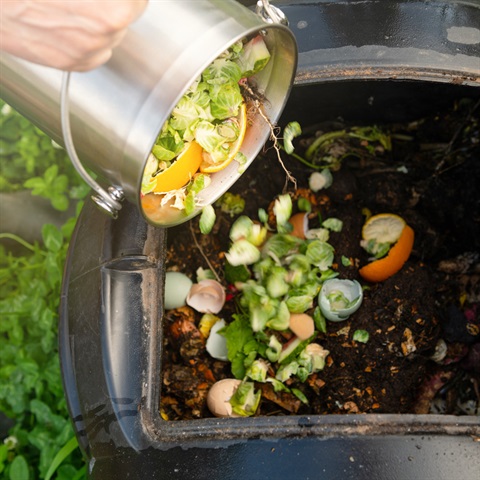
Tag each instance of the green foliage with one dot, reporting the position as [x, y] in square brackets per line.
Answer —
[41, 444]
[29, 159]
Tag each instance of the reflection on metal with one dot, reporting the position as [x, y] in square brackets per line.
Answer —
[108, 201]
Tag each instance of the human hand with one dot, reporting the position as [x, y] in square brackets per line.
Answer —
[74, 35]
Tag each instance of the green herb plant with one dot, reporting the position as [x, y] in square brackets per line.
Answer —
[31, 160]
[41, 443]
[328, 150]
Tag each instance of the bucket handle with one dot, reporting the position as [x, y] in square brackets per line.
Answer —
[270, 13]
[107, 200]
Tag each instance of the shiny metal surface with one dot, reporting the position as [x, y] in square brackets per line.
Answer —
[117, 110]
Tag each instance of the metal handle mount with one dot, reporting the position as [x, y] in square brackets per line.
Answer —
[270, 13]
[107, 200]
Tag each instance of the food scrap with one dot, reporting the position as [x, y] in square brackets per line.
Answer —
[390, 240]
[419, 322]
[205, 130]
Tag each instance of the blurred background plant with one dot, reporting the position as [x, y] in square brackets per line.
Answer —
[37, 184]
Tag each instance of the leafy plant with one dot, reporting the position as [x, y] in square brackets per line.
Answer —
[30, 159]
[328, 150]
[41, 444]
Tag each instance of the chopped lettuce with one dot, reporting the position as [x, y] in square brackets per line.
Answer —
[274, 349]
[291, 131]
[333, 224]
[225, 101]
[222, 72]
[245, 400]
[282, 209]
[242, 252]
[320, 254]
[254, 57]
[207, 219]
[281, 318]
[257, 371]
[361, 336]
[231, 204]
[241, 228]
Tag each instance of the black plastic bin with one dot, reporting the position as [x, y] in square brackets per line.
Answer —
[362, 61]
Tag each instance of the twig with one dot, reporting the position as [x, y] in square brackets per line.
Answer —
[203, 254]
[254, 99]
[439, 168]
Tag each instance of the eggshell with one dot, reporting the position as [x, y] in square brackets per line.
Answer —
[302, 325]
[217, 344]
[177, 286]
[219, 395]
[315, 349]
[350, 288]
[206, 296]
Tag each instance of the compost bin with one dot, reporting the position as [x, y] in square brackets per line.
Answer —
[360, 63]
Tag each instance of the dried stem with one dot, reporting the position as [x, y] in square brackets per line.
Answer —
[203, 254]
[255, 101]
[448, 151]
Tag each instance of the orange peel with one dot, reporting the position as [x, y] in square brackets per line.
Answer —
[209, 167]
[181, 170]
[380, 270]
[384, 227]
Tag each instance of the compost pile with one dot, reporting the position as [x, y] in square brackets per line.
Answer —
[423, 349]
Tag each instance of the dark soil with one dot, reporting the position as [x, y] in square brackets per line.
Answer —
[431, 178]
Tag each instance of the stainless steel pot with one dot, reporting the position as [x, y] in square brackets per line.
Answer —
[109, 118]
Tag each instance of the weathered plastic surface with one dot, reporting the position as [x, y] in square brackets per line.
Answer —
[110, 336]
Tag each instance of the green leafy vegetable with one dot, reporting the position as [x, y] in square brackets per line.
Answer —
[376, 249]
[238, 273]
[242, 252]
[291, 131]
[257, 371]
[284, 372]
[320, 254]
[207, 219]
[282, 209]
[338, 301]
[231, 204]
[333, 224]
[361, 336]
[319, 319]
[304, 205]
[274, 349]
[209, 114]
[299, 303]
[280, 319]
[240, 342]
[241, 228]
[245, 400]
[320, 180]
[254, 57]
[300, 395]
